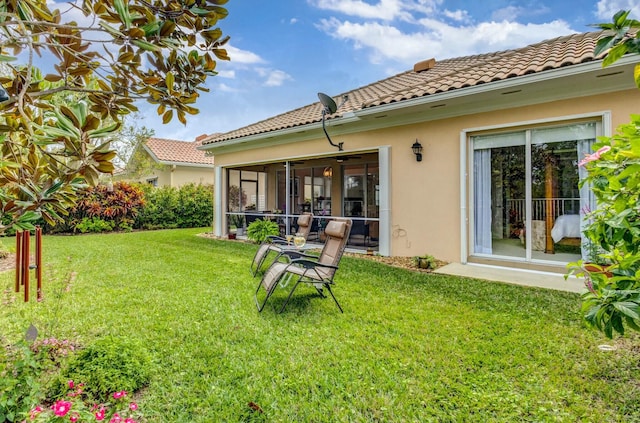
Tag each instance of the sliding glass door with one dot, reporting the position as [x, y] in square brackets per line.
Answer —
[526, 197]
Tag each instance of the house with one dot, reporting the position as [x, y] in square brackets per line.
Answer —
[471, 159]
[164, 162]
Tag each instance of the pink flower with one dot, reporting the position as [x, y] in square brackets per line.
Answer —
[594, 156]
[133, 406]
[71, 384]
[100, 414]
[34, 412]
[121, 394]
[129, 420]
[61, 408]
[74, 417]
[115, 419]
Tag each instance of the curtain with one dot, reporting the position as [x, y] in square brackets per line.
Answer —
[587, 199]
[482, 201]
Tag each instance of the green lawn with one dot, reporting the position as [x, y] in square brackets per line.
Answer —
[410, 347]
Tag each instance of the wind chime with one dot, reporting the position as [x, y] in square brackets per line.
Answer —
[23, 240]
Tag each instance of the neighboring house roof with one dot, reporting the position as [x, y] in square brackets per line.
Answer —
[430, 77]
[178, 152]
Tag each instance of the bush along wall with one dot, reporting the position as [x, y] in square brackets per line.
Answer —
[138, 206]
[189, 206]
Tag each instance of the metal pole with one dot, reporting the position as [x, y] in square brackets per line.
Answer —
[39, 261]
[18, 260]
[25, 264]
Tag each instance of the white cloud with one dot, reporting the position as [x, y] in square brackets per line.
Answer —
[458, 15]
[607, 8]
[229, 74]
[276, 78]
[438, 39]
[293, 21]
[226, 88]
[385, 10]
[242, 56]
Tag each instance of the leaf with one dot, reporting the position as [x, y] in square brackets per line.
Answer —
[146, 46]
[168, 115]
[122, 9]
[628, 309]
[614, 54]
[636, 75]
[5, 58]
[170, 81]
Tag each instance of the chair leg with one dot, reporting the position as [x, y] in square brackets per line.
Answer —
[328, 286]
[290, 294]
[273, 279]
[258, 258]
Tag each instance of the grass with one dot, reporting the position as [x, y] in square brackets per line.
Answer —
[410, 347]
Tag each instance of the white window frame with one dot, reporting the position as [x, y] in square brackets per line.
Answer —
[466, 161]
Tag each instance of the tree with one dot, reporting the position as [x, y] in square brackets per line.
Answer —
[612, 300]
[115, 53]
[624, 37]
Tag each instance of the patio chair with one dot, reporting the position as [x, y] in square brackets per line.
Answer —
[274, 243]
[318, 271]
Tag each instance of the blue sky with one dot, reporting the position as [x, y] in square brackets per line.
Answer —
[283, 52]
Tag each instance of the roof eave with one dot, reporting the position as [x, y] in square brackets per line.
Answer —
[310, 131]
[509, 83]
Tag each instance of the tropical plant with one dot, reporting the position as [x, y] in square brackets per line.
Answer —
[612, 299]
[623, 37]
[426, 261]
[55, 128]
[260, 229]
[236, 220]
[613, 229]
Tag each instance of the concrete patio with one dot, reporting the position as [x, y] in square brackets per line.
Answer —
[514, 276]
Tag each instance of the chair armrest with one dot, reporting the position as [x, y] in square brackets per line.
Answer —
[275, 239]
[295, 254]
[310, 264]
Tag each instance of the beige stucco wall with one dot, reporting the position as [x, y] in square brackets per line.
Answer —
[425, 196]
[180, 175]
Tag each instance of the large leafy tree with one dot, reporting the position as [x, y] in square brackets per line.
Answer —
[97, 58]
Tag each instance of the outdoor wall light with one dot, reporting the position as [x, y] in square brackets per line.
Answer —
[417, 150]
[327, 172]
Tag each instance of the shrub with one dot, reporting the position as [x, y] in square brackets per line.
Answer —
[189, 206]
[118, 206]
[19, 381]
[106, 366]
[426, 261]
[259, 230]
[94, 224]
[160, 210]
[195, 206]
[612, 300]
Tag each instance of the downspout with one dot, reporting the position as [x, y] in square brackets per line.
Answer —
[464, 221]
[218, 212]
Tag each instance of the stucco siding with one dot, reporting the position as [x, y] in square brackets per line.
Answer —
[425, 196]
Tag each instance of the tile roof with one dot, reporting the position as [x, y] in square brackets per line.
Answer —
[446, 75]
[175, 151]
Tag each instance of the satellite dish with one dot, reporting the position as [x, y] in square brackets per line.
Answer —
[328, 103]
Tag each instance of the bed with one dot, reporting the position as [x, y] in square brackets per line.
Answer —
[566, 226]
